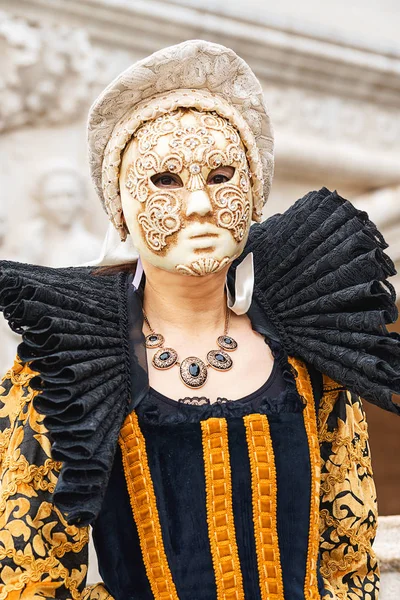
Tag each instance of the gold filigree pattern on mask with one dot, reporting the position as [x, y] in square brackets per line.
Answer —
[203, 266]
[193, 149]
[160, 219]
[233, 207]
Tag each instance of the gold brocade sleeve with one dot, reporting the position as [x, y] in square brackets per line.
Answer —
[96, 592]
[41, 556]
[348, 507]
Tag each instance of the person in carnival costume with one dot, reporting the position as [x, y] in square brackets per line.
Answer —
[195, 394]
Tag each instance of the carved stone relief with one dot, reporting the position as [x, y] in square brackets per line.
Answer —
[334, 118]
[58, 235]
[46, 73]
[49, 75]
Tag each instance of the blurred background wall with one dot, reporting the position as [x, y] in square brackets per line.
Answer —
[331, 74]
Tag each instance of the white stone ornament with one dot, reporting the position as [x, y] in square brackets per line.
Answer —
[47, 73]
[58, 235]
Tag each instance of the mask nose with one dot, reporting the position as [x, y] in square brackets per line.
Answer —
[198, 203]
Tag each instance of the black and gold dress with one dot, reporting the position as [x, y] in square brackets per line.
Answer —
[269, 497]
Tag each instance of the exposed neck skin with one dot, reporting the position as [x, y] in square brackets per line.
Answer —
[194, 305]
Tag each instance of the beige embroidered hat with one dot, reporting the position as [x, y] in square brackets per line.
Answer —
[195, 74]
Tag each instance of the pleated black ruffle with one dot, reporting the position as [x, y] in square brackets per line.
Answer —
[321, 277]
[74, 330]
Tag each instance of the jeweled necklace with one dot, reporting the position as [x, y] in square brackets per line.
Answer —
[193, 370]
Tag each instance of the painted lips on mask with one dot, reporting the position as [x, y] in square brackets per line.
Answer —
[186, 193]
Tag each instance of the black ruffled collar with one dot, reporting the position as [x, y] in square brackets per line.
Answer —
[75, 334]
[320, 280]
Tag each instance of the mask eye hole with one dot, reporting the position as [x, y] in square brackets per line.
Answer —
[220, 175]
[167, 180]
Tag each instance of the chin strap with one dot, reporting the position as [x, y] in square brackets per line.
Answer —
[244, 285]
[138, 274]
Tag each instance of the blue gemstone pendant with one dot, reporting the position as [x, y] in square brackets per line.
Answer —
[226, 342]
[219, 360]
[193, 372]
[164, 358]
[154, 340]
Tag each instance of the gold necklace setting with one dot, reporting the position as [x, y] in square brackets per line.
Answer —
[192, 370]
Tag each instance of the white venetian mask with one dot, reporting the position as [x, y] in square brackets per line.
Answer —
[185, 192]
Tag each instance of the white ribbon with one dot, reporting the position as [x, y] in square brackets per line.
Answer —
[138, 274]
[244, 286]
[113, 251]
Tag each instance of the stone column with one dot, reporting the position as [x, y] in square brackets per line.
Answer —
[387, 547]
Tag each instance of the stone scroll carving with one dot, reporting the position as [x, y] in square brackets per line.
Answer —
[46, 73]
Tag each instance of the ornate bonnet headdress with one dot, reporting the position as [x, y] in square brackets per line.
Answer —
[194, 74]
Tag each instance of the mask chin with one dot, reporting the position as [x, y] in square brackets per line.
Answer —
[195, 257]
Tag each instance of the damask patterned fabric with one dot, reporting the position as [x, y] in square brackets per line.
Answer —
[348, 507]
[75, 334]
[42, 556]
